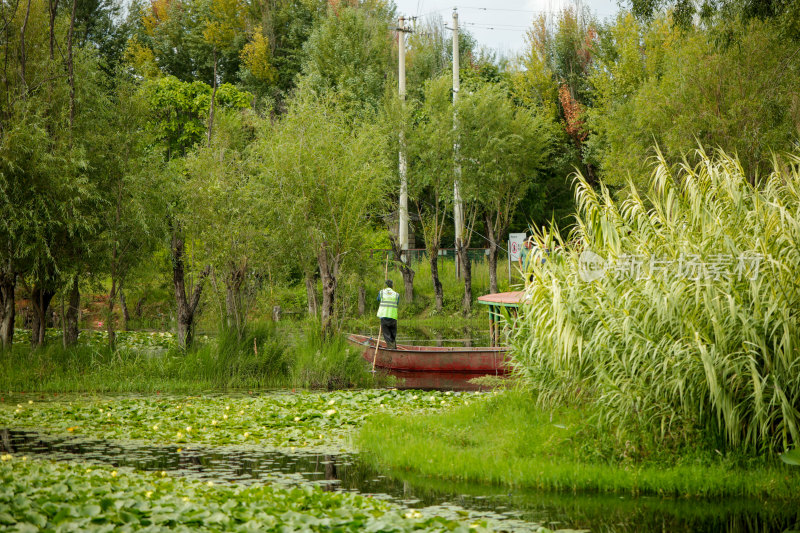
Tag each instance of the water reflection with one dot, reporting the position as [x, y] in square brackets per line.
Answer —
[346, 472]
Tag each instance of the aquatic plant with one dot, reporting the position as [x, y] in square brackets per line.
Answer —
[677, 311]
[320, 421]
[39, 495]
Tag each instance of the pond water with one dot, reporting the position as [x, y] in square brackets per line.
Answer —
[346, 472]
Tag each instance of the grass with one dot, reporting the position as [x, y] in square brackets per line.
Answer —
[288, 354]
[693, 322]
[509, 441]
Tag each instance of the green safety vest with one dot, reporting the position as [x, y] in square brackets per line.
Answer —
[389, 301]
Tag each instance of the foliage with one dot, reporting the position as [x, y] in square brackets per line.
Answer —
[44, 495]
[348, 55]
[320, 176]
[507, 440]
[225, 216]
[681, 91]
[709, 344]
[320, 421]
[331, 363]
[180, 109]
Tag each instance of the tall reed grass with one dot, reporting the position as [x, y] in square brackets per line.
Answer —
[704, 338]
[268, 355]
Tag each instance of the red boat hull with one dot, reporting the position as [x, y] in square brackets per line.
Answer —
[406, 358]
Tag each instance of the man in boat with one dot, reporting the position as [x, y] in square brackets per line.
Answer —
[387, 312]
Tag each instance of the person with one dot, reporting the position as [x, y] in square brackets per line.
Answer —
[524, 258]
[387, 312]
[529, 251]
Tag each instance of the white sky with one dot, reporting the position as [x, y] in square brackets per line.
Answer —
[498, 24]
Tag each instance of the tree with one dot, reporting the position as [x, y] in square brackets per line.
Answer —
[50, 205]
[134, 221]
[179, 111]
[554, 76]
[430, 149]
[502, 148]
[324, 173]
[676, 92]
[224, 214]
[348, 55]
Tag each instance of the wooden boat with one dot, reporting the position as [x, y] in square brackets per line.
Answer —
[409, 358]
[462, 360]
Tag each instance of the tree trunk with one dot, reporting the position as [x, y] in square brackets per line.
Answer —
[71, 316]
[139, 308]
[112, 297]
[22, 54]
[362, 300]
[40, 298]
[405, 270]
[8, 282]
[311, 295]
[70, 69]
[433, 257]
[53, 10]
[213, 98]
[233, 299]
[327, 272]
[126, 316]
[466, 273]
[492, 254]
[186, 306]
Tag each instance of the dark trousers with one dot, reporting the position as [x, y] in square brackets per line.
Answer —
[389, 328]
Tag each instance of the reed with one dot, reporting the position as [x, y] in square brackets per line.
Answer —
[676, 352]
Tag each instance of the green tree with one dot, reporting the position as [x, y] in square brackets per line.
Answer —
[678, 92]
[503, 150]
[224, 215]
[135, 216]
[348, 55]
[49, 202]
[430, 156]
[324, 175]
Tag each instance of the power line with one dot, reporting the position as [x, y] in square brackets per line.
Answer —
[493, 26]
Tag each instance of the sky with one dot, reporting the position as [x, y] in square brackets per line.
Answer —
[498, 24]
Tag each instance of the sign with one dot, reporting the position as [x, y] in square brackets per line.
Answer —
[515, 241]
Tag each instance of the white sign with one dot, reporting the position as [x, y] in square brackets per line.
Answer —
[515, 241]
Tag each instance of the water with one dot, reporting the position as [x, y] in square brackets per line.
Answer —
[346, 472]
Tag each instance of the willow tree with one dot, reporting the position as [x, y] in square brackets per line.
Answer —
[322, 174]
[224, 215]
[48, 198]
[431, 162]
[503, 148]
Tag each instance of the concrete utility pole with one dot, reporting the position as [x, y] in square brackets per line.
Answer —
[402, 231]
[458, 214]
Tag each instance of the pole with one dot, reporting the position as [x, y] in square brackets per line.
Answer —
[457, 204]
[508, 258]
[402, 231]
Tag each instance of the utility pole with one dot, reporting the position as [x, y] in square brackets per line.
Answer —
[402, 231]
[458, 214]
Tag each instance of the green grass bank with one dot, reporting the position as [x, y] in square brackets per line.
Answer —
[269, 355]
[507, 441]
